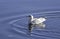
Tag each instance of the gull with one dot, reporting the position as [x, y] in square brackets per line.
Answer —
[35, 21]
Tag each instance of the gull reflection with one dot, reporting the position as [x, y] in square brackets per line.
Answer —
[41, 26]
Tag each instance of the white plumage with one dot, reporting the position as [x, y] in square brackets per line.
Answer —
[33, 20]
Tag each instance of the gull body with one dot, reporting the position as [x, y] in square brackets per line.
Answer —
[33, 20]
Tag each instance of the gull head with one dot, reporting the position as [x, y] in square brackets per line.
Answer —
[30, 16]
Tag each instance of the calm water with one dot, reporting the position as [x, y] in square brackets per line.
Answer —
[13, 20]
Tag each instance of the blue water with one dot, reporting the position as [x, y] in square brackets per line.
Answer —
[13, 20]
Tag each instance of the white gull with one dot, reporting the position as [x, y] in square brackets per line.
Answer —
[33, 20]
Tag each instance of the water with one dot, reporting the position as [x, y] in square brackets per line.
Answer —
[13, 20]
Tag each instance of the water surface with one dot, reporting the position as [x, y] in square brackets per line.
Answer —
[13, 20]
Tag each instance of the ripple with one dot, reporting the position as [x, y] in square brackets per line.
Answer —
[39, 35]
[47, 13]
[19, 24]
